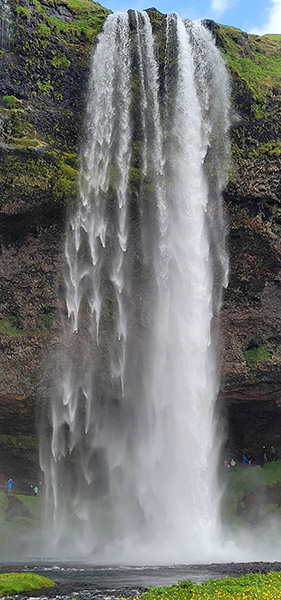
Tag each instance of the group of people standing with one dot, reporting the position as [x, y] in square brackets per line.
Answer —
[34, 490]
[268, 454]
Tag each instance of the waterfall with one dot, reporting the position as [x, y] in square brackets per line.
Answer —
[5, 24]
[130, 448]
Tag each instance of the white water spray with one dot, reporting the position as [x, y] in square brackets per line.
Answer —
[132, 459]
[5, 24]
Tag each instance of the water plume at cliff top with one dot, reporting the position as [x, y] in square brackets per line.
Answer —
[131, 450]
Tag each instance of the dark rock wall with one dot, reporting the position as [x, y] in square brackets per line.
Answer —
[251, 318]
[44, 70]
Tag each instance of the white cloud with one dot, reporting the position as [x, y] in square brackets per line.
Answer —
[220, 5]
[272, 22]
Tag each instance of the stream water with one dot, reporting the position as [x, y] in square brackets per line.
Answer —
[84, 582]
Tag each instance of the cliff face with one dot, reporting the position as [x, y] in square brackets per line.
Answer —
[44, 65]
[251, 312]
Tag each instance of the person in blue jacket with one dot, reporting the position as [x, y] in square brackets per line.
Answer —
[9, 486]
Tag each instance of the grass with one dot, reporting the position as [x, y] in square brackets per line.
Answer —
[16, 583]
[257, 60]
[249, 587]
[26, 519]
[87, 18]
[245, 480]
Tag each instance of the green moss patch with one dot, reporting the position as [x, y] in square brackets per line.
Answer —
[50, 178]
[11, 102]
[252, 587]
[10, 325]
[23, 12]
[85, 17]
[256, 354]
[16, 583]
[271, 148]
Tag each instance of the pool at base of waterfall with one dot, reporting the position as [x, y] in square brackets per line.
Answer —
[104, 582]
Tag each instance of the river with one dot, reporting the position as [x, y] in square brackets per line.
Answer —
[102, 582]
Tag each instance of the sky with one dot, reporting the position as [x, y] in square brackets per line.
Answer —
[253, 16]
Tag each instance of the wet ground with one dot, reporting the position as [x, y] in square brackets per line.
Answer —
[83, 582]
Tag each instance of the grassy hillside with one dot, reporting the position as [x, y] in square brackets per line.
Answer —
[252, 493]
[19, 516]
[257, 60]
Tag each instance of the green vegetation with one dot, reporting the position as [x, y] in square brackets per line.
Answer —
[24, 12]
[256, 354]
[243, 481]
[50, 174]
[24, 446]
[44, 323]
[16, 126]
[86, 18]
[45, 87]
[272, 148]
[19, 516]
[10, 325]
[273, 36]
[43, 30]
[16, 583]
[257, 60]
[11, 102]
[60, 60]
[250, 587]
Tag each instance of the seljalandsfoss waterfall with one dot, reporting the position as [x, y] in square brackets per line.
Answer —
[130, 450]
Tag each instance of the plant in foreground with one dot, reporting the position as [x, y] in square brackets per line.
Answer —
[249, 587]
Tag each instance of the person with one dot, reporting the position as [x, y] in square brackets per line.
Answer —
[232, 462]
[36, 490]
[264, 453]
[244, 459]
[9, 486]
[272, 453]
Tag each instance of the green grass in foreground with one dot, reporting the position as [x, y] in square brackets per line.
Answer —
[15, 583]
[249, 587]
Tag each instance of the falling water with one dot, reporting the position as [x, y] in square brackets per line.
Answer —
[131, 460]
[5, 23]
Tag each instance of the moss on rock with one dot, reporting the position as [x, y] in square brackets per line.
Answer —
[17, 583]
